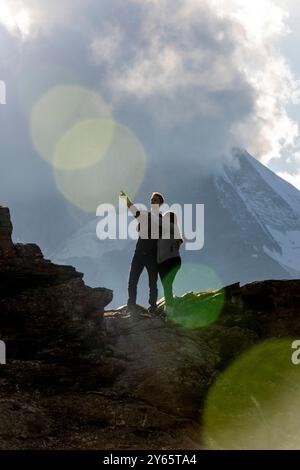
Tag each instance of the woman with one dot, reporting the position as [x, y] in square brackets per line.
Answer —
[168, 256]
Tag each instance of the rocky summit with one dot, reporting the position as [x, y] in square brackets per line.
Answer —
[81, 377]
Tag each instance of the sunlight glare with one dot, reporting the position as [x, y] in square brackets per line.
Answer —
[17, 21]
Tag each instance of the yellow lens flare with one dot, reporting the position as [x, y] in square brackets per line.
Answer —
[57, 113]
[83, 144]
[203, 297]
[123, 165]
[254, 404]
[35, 82]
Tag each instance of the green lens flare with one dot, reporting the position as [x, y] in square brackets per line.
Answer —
[201, 306]
[254, 404]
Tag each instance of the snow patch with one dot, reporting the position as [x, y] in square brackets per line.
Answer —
[290, 246]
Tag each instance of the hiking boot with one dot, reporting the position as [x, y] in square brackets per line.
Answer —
[153, 310]
[169, 311]
[132, 307]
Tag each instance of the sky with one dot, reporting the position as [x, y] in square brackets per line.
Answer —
[198, 77]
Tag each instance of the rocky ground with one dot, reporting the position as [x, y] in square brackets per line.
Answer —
[82, 377]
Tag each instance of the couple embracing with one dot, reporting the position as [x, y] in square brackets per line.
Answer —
[157, 250]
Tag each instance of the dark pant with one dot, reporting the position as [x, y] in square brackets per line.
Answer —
[139, 262]
[167, 272]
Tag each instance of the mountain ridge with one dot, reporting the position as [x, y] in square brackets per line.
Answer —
[241, 240]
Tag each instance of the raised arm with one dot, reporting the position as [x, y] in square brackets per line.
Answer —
[128, 201]
[130, 204]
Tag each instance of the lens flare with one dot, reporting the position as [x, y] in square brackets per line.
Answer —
[201, 306]
[122, 166]
[255, 403]
[56, 117]
[36, 82]
[83, 144]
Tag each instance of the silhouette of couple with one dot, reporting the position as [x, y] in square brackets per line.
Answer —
[157, 250]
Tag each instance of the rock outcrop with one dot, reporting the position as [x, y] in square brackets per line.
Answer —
[43, 305]
[80, 377]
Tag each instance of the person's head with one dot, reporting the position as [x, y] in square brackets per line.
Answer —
[157, 199]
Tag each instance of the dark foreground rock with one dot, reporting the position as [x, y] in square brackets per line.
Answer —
[80, 377]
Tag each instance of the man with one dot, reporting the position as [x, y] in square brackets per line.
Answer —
[145, 255]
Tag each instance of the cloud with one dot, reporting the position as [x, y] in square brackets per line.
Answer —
[16, 18]
[294, 179]
[105, 47]
[209, 59]
[289, 169]
[26, 19]
[211, 64]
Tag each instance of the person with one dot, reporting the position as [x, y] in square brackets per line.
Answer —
[145, 255]
[168, 256]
